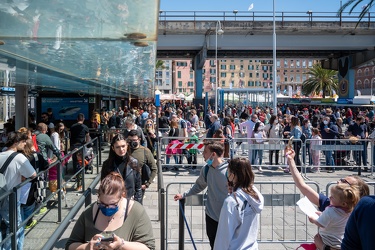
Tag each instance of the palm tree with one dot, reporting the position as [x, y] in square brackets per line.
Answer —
[320, 80]
[159, 64]
[365, 8]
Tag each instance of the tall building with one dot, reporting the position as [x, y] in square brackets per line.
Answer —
[163, 77]
[183, 77]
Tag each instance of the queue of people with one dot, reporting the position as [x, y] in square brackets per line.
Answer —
[118, 220]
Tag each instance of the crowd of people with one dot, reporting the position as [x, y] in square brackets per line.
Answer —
[118, 221]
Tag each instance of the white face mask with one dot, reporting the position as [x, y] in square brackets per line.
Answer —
[325, 122]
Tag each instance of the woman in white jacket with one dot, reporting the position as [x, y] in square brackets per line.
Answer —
[239, 216]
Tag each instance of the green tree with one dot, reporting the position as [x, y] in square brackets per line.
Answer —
[366, 5]
[159, 64]
[320, 80]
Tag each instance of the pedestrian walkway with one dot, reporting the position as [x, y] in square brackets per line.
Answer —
[37, 236]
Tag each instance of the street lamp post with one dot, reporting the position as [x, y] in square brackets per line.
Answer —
[219, 31]
[274, 62]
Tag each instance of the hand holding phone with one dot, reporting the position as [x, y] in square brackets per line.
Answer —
[107, 239]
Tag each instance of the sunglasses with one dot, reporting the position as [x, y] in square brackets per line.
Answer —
[342, 180]
[103, 205]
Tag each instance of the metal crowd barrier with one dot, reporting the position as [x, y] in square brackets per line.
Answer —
[281, 221]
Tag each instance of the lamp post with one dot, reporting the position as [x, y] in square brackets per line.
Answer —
[274, 62]
[219, 31]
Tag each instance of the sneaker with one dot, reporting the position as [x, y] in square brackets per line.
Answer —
[79, 188]
[314, 169]
[260, 169]
[32, 224]
[43, 210]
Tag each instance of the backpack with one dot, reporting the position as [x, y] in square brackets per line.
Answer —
[3, 181]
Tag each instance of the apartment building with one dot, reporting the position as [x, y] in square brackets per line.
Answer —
[234, 73]
[365, 79]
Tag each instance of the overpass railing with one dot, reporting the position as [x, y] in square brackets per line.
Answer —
[261, 16]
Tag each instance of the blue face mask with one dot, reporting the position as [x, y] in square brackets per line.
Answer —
[109, 211]
[209, 161]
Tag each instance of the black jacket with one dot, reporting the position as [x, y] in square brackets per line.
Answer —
[131, 176]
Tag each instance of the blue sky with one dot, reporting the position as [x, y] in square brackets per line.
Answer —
[259, 5]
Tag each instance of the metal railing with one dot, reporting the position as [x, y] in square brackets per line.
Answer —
[260, 16]
[12, 194]
[280, 221]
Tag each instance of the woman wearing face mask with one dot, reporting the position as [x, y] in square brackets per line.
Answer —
[113, 215]
[273, 131]
[239, 216]
[120, 161]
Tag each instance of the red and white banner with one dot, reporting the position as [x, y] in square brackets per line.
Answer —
[186, 146]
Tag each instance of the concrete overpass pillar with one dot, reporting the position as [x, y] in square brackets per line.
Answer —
[199, 61]
[21, 96]
[346, 77]
[198, 66]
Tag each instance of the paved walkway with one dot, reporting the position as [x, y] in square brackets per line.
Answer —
[36, 237]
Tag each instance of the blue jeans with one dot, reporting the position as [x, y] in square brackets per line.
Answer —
[4, 212]
[329, 158]
[27, 210]
[257, 153]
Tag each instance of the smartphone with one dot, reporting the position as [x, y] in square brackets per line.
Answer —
[290, 142]
[107, 239]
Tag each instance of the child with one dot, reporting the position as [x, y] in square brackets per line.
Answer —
[333, 220]
[192, 157]
[80, 160]
[315, 153]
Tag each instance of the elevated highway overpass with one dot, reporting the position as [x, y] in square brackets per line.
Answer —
[249, 34]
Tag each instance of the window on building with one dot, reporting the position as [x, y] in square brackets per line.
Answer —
[232, 67]
[191, 90]
[223, 66]
[366, 83]
[286, 63]
[298, 64]
[359, 84]
[232, 74]
[278, 63]
[213, 79]
[304, 77]
[298, 78]
[373, 71]
[250, 67]
[359, 72]
[213, 71]
[167, 74]
[180, 90]
[250, 75]
[285, 79]
[257, 75]
[241, 67]
[250, 61]
[179, 74]
[242, 74]
[222, 83]
[265, 76]
[223, 74]
[271, 76]
[167, 82]
[367, 71]
[179, 83]
[212, 63]
[292, 63]
[231, 60]
[304, 64]
[257, 67]
[310, 63]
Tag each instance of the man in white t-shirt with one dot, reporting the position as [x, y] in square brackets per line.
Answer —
[18, 168]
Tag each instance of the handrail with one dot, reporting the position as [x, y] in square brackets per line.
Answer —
[253, 16]
[64, 224]
[13, 195]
